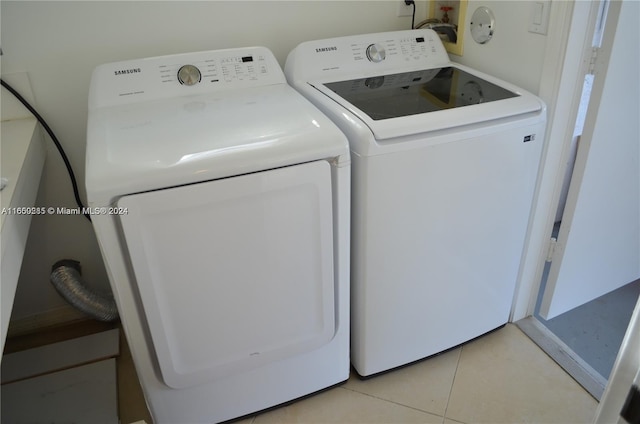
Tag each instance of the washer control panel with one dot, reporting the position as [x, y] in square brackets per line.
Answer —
[406, 49]
[183, 74]
[387, 51]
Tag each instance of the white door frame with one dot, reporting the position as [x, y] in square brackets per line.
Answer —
[591, 259]
[567, 56]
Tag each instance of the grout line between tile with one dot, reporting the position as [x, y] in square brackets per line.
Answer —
[453, 382]
[394, 402]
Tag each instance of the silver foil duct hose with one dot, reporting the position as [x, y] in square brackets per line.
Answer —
[66, 278]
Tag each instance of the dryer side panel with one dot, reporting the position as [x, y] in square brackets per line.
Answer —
[234, 273]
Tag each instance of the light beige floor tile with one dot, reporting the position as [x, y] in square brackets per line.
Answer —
[424, 385]
[505, 378]
[345, 406]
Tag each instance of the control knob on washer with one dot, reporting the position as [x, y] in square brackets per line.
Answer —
[376, 53]
[189, 75]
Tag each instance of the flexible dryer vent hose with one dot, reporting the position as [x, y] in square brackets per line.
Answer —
[66, 278]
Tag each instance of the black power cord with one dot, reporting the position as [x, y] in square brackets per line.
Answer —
[55, 141]
[413, 16]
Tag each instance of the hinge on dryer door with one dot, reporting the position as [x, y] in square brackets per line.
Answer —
[551, 249]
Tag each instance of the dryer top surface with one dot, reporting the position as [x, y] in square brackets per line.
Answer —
[149, 141]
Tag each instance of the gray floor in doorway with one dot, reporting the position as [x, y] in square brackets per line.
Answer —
[595, 330]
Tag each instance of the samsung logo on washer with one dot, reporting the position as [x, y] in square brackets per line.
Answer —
[128, 71]
[326, 49]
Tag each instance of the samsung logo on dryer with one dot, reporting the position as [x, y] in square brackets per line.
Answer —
[326, 49]
[127, 71]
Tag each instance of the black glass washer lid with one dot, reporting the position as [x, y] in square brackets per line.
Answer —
[411, 93]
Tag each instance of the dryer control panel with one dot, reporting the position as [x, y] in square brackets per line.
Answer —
[184, 74]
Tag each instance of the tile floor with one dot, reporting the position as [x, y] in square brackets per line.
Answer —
[502, 377]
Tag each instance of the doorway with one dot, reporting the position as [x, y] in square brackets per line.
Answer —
[585, 299]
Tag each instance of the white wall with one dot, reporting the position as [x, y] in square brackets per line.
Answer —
[513, 53]
[59, 43]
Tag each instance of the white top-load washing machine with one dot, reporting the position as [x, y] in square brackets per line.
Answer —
[220, 201]
[444, 165]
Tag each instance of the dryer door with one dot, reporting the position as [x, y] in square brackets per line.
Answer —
[234, 273]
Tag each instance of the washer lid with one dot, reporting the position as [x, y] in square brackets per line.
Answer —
[411, 93]
[418, 101]
[169, 142]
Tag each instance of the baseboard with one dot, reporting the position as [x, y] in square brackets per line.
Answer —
[51, 318]
[575, 366]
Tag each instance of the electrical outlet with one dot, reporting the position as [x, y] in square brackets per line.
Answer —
[404, 9]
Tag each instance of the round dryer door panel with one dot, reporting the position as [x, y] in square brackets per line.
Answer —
[234, 273]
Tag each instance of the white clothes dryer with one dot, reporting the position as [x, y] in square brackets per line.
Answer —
[220, 201]
[444, 165]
